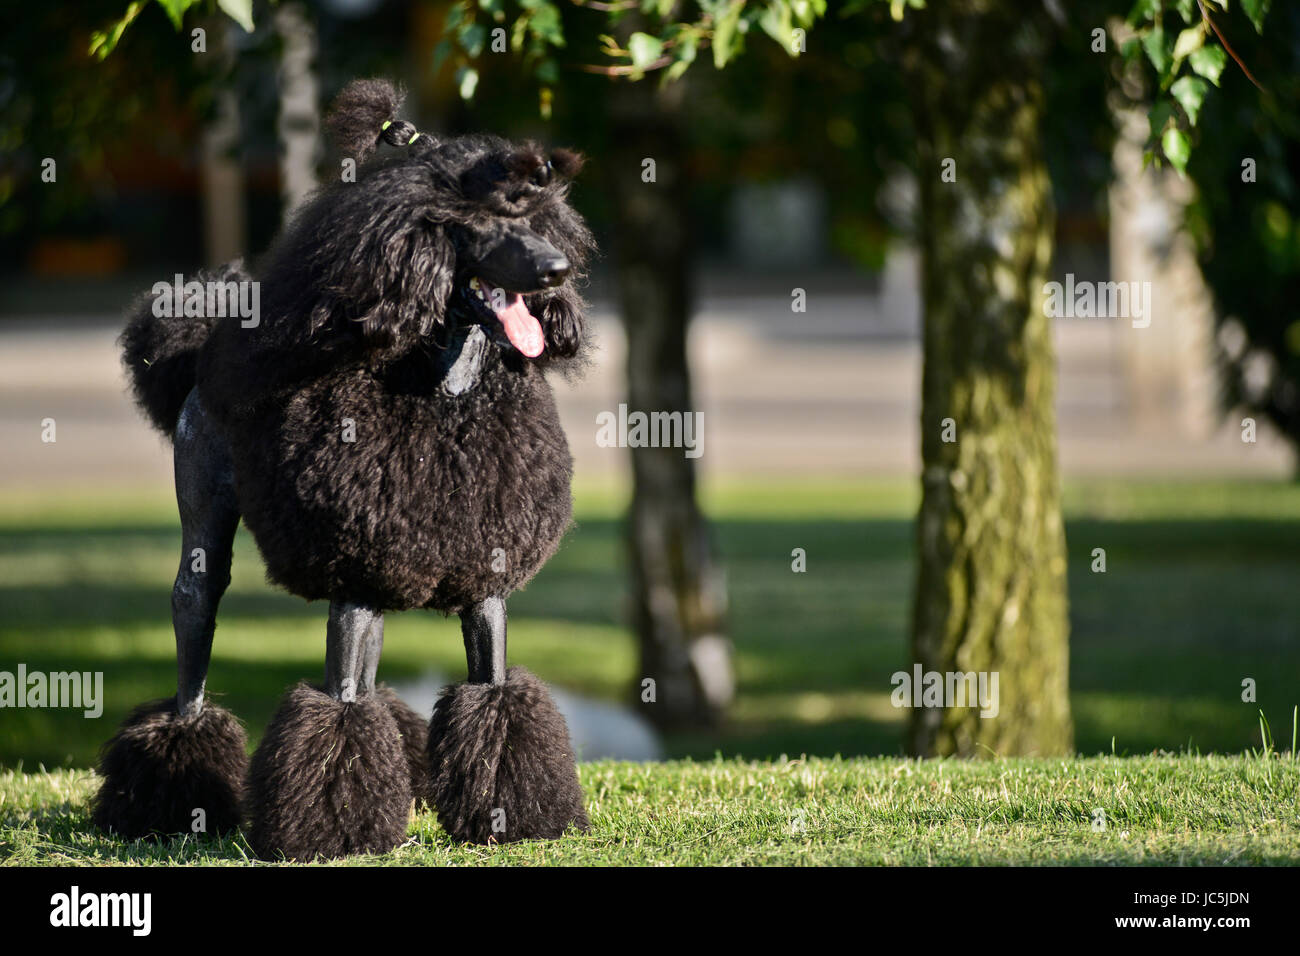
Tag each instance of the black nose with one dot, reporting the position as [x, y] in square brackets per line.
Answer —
[552, 272]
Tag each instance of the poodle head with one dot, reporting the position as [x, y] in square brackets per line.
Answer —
[443, 235]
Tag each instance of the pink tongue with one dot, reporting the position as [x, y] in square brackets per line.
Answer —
[523, 331]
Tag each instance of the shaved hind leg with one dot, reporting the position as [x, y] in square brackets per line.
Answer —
[205, 495]
[176, 766]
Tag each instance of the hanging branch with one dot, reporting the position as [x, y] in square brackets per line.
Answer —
[1205, 15]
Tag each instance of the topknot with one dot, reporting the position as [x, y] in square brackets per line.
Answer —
[357, 119]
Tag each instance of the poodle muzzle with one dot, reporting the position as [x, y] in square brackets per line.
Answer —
[521, 263]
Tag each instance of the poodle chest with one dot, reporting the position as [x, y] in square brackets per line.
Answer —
[379, 489]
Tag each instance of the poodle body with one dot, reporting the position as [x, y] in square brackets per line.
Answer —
[362, 475]
[369, 483]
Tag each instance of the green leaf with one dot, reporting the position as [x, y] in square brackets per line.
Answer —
[441, 51]
[519, 30]
[775, 22]
[241, 11]
[674, 73]
[472, 36]
[686, 48]
[103, 42]
[898, 7]
[1144, 11]
[1159, 117]
[1190, 92]
[1209, 62]
[1157, 50]
[175, 10]
[1178, 149]
[726, 39]
[645, 49]
[1256, 11]
[546, 24]
[1193, 38]
[466, 82]
[455, 16]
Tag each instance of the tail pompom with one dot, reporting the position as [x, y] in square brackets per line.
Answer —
[502, 763]
[160, 351]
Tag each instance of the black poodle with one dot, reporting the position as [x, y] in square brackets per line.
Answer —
[384, 428]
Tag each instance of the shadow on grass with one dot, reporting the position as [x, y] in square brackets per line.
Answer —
[1161, 641]
[66, 830]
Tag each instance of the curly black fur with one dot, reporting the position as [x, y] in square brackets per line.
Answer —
[415, 738]
[160, 352]
[360, 299]
[503, 748]
[160, 767]
[371, 474]
[328, 779]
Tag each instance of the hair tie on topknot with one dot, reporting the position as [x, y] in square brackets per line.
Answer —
[398, 133]
[363, 114]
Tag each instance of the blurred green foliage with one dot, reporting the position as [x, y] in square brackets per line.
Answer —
[837, 115]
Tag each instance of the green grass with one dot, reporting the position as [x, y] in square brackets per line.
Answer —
[1200, 593]
[1163, 810]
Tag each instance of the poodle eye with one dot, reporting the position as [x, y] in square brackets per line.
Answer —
[542, 175]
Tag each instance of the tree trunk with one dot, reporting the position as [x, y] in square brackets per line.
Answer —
[299, 124]
[991, 592]
[221, 177]
[1168, 365]
[678, 589]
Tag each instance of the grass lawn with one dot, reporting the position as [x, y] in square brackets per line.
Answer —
[1200, 592]
[1163, 810]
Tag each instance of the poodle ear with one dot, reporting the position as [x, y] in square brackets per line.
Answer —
[567, 162]
[393, 281]
[563, 324]
[416, 266]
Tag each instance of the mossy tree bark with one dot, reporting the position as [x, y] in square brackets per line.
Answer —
[991, 592]
[679, 594]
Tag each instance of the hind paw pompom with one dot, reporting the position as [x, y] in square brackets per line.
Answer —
[167, 774]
